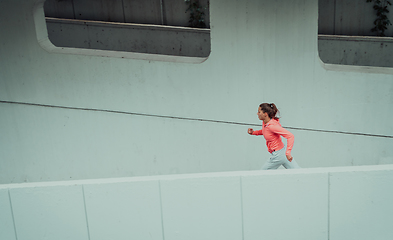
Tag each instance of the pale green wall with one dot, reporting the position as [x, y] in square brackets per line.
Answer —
[262, 51]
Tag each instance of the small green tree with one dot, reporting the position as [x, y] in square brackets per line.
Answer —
[382, 21]
[197, 14]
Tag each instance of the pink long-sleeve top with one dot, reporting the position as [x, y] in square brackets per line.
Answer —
[272, 131]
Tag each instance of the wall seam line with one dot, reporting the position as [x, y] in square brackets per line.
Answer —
[241, 205]
[191, 119]
[162, 214]
[84, 204]
[334, 18]
[73, 9]
[162, 11]
[124, 11]
[328, 223]
[12, 214]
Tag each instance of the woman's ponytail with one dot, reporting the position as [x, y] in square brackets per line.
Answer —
[270, 109]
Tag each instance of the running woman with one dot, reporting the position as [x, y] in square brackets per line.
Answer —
[272, 131]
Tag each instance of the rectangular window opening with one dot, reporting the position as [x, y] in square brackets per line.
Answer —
[167, 30]
[347, 34]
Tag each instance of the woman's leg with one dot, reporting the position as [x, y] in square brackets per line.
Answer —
[291, 165]
[279, 158]
[275, 161]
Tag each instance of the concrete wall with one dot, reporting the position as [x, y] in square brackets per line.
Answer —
[351, 50]
[139, 38]
[74, 115]
[332, 49]
[308, 204]
[349, 17]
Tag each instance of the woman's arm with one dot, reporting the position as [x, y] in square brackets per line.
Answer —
[252, 132]
[286, 134]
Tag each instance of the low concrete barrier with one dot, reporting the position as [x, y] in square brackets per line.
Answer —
[324, 203]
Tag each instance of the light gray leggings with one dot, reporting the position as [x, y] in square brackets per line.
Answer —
[279, 158]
